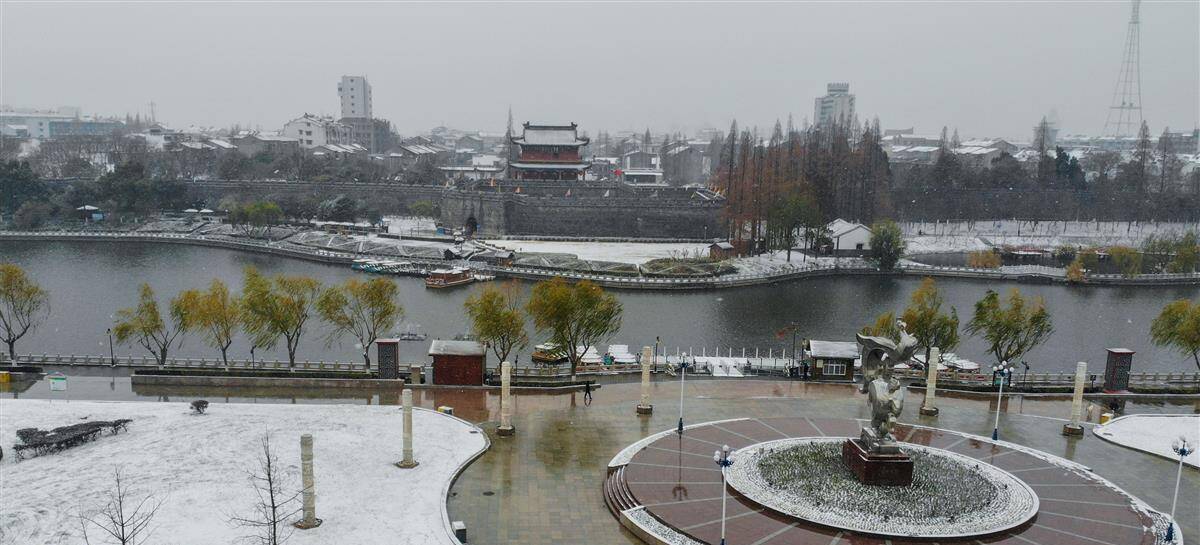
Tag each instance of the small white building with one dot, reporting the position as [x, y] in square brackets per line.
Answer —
[313, 131]
[849, 237]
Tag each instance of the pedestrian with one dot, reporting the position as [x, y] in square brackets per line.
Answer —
[587, 392]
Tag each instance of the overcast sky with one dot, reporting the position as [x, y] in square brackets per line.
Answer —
[989, 69]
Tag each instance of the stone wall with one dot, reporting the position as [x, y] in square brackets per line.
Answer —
[549, 209]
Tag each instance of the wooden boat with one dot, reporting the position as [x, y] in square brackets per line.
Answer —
[449, 278]
[548, 353]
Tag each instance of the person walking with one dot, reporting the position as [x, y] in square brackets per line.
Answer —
[587, 393]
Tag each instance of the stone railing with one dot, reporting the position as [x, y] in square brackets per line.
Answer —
[70, 360]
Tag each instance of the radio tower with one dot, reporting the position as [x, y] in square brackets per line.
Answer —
[1125, 114]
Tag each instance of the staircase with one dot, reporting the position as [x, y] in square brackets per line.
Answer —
[616, 492]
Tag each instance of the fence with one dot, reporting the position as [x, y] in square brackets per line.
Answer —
[183, 363]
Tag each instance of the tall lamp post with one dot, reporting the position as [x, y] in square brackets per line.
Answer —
[1183, 449]
[112, 358]
[682, 374]
[721, 457]
[1004, 370]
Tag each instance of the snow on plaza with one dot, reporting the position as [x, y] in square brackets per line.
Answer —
[1154, 433]
[198, 465]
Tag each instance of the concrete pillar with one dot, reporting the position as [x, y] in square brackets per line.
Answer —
[310, 519]
[644, 406]
[408, 461]
[929, 408]
[505, 428]
[1075, 426]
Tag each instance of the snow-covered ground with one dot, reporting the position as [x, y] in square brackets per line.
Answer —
[404, 225]
[1154, 433]
[620, 252]
[777, 262]
[964, 236]
[197, 465]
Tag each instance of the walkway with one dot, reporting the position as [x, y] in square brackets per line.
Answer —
[544, 484]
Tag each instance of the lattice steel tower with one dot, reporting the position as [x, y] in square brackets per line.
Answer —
[1125, 114]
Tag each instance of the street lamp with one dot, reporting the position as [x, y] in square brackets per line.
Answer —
[1183, 449]
[721, 457]
[682, 374]
[112, 358]
[1003, 370]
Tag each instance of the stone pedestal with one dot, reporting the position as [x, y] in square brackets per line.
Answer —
[929, 407]
[408, 461]
[644, 406]
[310, 519]
[876, 469]
[505, 428]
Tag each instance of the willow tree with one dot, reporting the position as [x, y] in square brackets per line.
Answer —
[927, 322]
[1011, 328]
[575, 316]
[277, 307]
[497, 320]
[362, 309]
[1178, 327]
[146, 325]
[215, 313]
[23, 306]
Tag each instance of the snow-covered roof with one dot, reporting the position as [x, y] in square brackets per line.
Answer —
[550, 135]
[456, 348]
[833, 350]
[840, 227]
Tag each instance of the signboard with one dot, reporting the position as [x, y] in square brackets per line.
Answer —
[58, 382]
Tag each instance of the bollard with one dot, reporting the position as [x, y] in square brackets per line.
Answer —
[929, 407]
[408, 461]
[1075, 427]
[505, 428]
[310, 519]
[644, 407]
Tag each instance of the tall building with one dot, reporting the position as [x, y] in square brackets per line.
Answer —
[355, 93]
[837, 105]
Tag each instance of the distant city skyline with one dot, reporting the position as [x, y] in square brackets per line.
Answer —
[987, 69]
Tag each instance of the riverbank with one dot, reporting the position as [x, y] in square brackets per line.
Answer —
[770, 273]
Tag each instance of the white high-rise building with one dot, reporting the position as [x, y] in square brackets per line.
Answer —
[836, 105]
[355, 93]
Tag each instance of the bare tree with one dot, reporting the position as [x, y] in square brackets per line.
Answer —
[275, 502]
[122, 520]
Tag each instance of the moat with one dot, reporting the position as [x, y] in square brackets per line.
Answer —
[89, 281]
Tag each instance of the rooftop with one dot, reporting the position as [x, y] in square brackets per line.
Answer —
[833, 349]
[550, 135]
[456, 348]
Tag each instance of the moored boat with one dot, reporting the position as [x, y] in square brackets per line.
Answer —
[448, 278]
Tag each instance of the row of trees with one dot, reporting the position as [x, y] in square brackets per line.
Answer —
[799, 180]
[1013, 325]
[269, 311]
[575, 316]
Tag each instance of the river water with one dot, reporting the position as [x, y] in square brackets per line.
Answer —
[89, 281]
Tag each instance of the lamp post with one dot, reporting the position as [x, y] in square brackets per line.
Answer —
[112, 358]
[1004, 370]
[1183, 449]
[721, 457]
[654, 359]
[682, 374]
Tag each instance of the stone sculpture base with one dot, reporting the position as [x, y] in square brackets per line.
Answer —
[306, 525]
[407, 465]
[876, 469]
[1072, 430]
[505, 431]
[645, 409]
[929, 411]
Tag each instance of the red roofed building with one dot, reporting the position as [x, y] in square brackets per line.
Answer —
[548, 152]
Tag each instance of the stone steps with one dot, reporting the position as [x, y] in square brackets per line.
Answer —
[616, 492]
